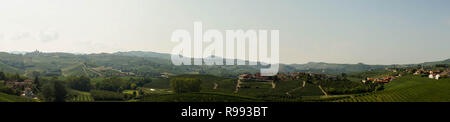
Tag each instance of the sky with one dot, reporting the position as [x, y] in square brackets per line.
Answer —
[333, 31]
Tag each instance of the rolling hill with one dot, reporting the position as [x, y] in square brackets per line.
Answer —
[408, 89]
[147, 64]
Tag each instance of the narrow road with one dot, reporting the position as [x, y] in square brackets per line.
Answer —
[303, 86]
[323, 91]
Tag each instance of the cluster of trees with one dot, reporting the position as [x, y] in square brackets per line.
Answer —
[108, 89]
[54, 91]
[185, 85]
[57, 90]
[115, 84]
[10, 91]
[11, 77]
[2, 76]
[106, 95]
[81, 83]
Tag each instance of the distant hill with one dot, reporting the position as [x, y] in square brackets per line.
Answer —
[437, 62]
[144, 54]
[336, 68]
[147, 64]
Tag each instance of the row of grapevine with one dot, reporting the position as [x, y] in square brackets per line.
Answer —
[409, 89]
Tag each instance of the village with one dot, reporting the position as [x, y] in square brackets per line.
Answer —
[257, 81]
[432, 74]
[246, 77]
[25, 87]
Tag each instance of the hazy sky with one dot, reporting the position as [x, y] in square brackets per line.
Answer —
[335, 31]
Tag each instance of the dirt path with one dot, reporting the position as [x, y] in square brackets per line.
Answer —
[84, 69]
[237, 86]
[323, 91]
[298, 88]
[215, 86]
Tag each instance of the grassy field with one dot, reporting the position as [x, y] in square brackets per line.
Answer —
[408, 89]
[158, 83]
[12, 98]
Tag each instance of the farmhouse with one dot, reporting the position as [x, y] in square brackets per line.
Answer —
[19, 85]
[257, 77]
[420, 71]
[436, 74]
[437, 77]
[245, 76]
[433, 74]
[166, 74]
[444, 73]
[380, 79]
[28, 93]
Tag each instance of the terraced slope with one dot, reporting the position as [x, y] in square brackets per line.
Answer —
[408, 89]
[82, 97]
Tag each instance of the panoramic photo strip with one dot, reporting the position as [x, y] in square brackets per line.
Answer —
[224, 59]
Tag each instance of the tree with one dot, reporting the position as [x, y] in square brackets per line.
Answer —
[133, 86]
[115, 84]
[2, 76]
[60, 92]
[16, 77]
[37, 83]
[47, 92]
[35, 73]
[344, 76]
[141, 92]
[134, 94]
[81, 83]
[54, 91]
[141, 82]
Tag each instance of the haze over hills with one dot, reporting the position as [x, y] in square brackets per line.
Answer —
[149, 64]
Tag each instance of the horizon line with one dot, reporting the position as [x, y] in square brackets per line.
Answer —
[84, 53]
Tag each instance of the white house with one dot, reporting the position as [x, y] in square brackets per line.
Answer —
[437, 76]
[431, 76]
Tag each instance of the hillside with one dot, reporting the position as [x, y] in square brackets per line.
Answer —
[146, 64]
[332, 68]
[408, 89]
[11, 98]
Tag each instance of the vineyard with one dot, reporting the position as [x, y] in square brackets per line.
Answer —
[198, 97]
[408, 89]
[11, 98]
[82, 97]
